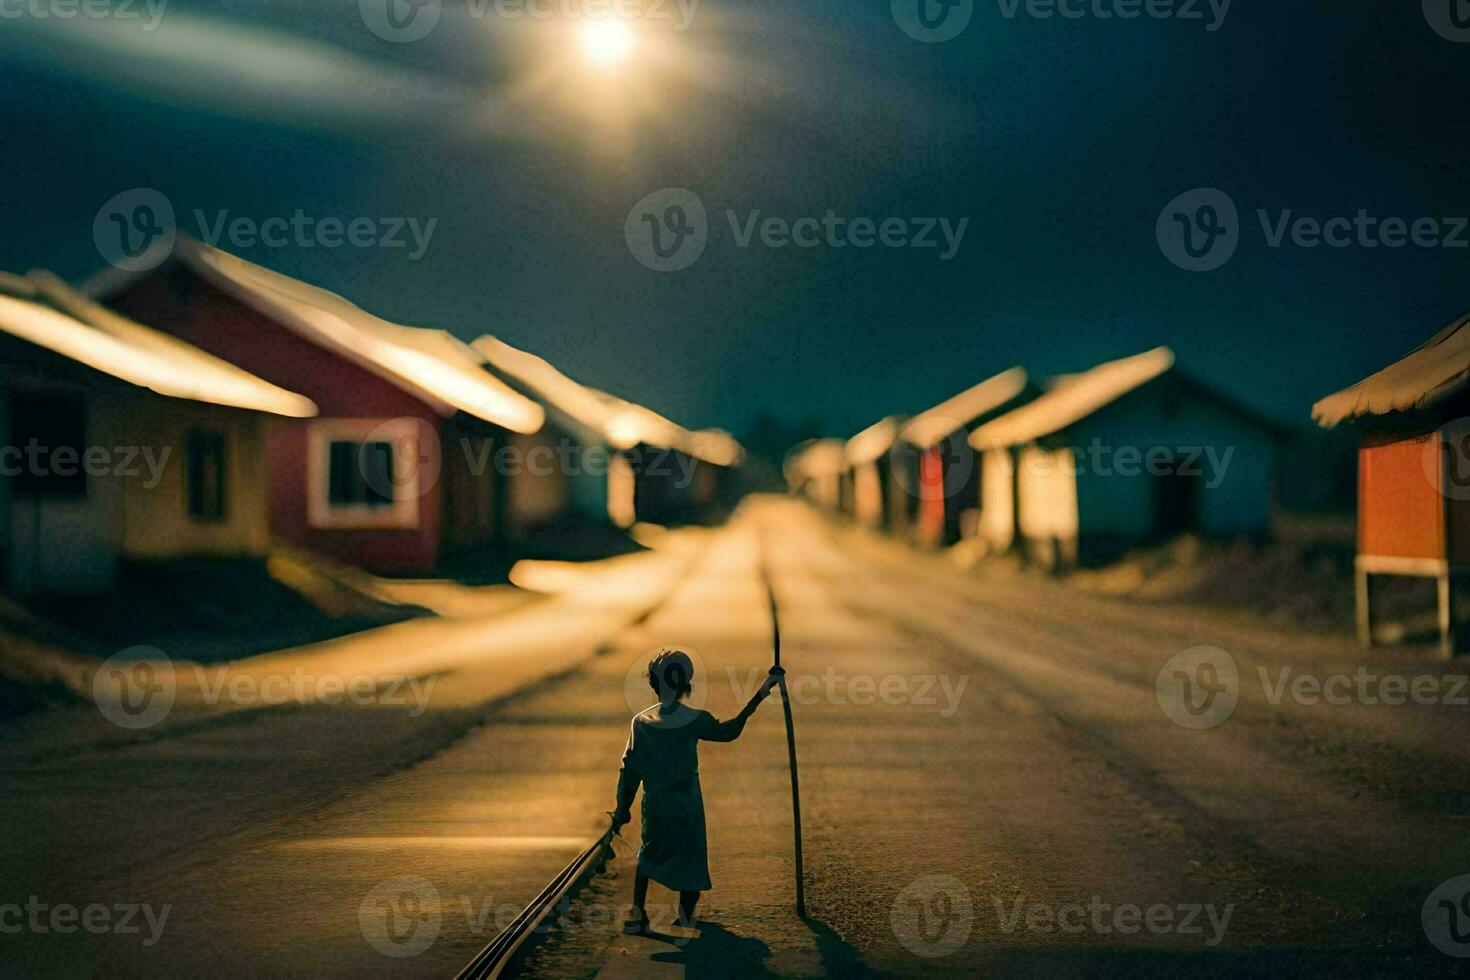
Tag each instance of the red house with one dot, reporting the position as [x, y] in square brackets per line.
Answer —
[397, 470]
[1413, 470]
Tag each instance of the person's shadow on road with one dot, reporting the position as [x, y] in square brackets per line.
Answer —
[718, 952]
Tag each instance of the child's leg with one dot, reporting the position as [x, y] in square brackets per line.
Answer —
[638, 918]
[640, 892]
[687, 901]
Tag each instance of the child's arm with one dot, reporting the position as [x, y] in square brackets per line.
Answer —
[628, 782]
[729, 731]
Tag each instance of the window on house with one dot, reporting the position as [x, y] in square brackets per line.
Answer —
[206, 475]
[49, 431]
[360, 474]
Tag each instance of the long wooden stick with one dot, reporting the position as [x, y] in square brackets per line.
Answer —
[790, 741]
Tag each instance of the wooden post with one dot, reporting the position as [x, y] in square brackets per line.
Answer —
[1364, 616]
[1446, 616]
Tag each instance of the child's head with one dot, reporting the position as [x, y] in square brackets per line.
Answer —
[670, 674]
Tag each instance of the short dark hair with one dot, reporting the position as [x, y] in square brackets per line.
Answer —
[674, 667]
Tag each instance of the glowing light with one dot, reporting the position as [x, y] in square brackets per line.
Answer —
[607, 41]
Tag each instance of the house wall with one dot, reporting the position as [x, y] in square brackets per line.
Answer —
[1047, 494]
[63, 545]
[156, 519]
[1400, 510]
[997, 525]
[868, 494]
[537, 489]
[181, 303]
[1233, 454]
[470, 491]
[899, 477]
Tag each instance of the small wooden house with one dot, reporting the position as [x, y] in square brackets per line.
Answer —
[121, 442]
[1128, 452]
[814, 469]
[398, 469]
[624, 463]
[1413, 470]
[944, 473]
[872, 492]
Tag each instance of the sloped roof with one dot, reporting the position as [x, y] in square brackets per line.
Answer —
[928, 429]
[1434, 371]
[41, 309]
[622, 423]
[431, 364]
[814, 459]
[1073, 397]
[872, 442]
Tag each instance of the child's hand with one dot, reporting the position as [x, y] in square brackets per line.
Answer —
[772, 680]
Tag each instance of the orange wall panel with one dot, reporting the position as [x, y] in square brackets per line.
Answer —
[1400, 508]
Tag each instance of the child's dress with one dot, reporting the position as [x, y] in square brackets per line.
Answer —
[663, 754]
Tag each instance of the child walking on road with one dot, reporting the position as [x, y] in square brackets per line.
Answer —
[663, 755]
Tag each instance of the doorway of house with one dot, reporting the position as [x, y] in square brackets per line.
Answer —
[1176, 499]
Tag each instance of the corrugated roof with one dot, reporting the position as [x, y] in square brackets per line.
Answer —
[431, 364]
[1433, 372]
[930, 428]
[1072, 398]
[43, 310]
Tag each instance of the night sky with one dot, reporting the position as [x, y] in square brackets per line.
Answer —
[1060, 140]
